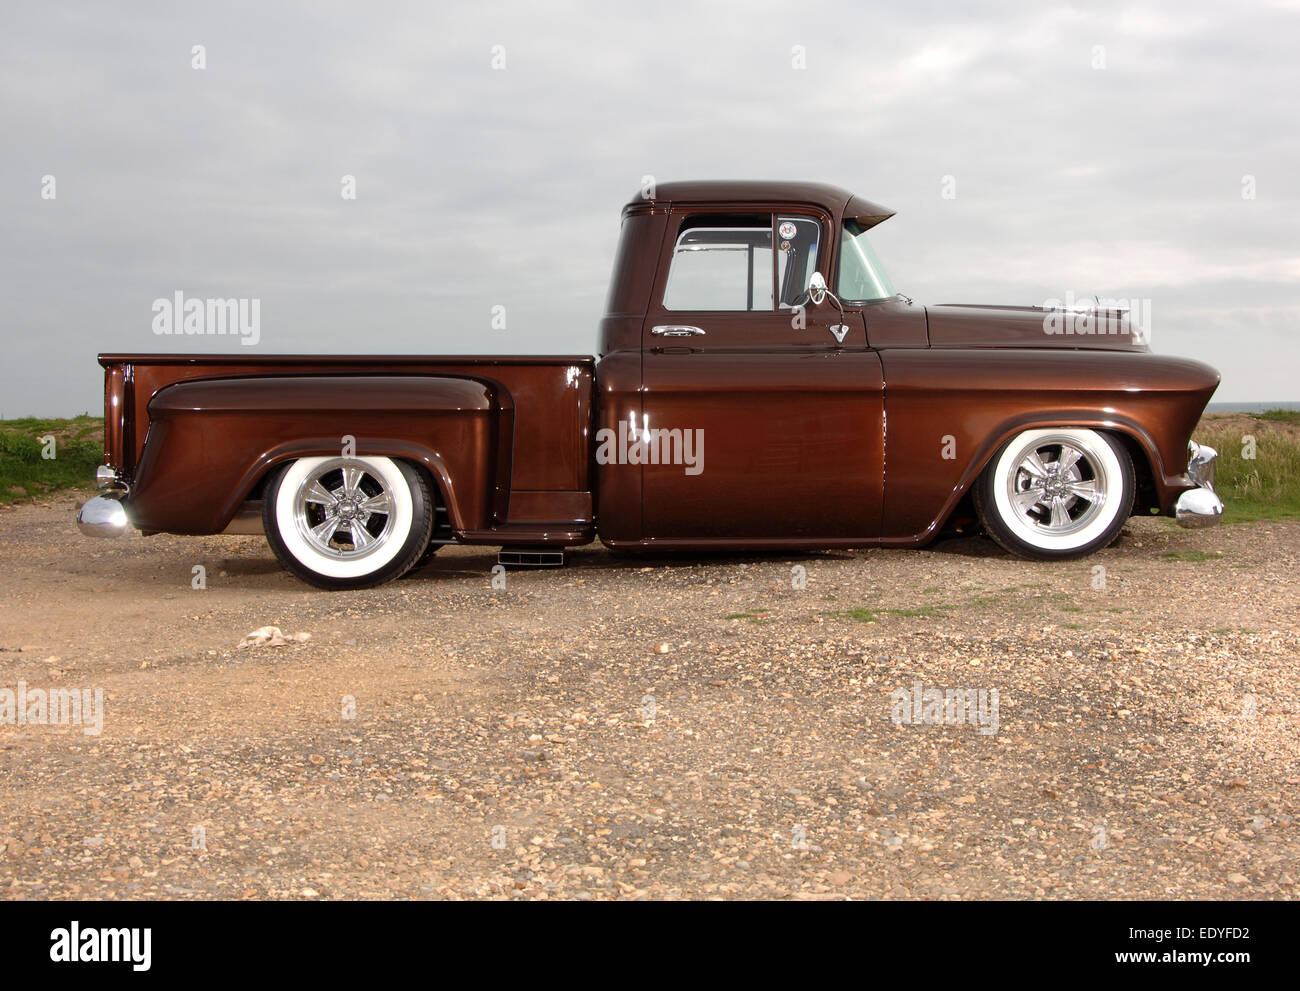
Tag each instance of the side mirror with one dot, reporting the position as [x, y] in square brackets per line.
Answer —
[817, 288]
[817, 293]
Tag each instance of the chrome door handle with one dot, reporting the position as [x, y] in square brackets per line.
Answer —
[676, 330]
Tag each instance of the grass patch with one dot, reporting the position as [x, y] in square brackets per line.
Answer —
[1266, 487]
[993, 599]
[759, 617]
[1192, 555]
[1280, 415]
[25, 472]
[864, 615]
[861, 615]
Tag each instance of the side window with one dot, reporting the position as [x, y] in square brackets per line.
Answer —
[796, 256]
[721, 262]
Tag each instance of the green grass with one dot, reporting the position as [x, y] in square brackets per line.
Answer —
[26, 474]
[992, 599]
[865, 615]
[1192, 555]
[1266, 487]
[759, 617]
[1280, 415]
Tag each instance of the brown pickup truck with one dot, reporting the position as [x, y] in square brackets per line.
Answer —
[760, 386]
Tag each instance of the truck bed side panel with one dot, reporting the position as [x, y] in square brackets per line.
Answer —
[548, 465]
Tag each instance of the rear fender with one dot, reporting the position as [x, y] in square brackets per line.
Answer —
[211, 441]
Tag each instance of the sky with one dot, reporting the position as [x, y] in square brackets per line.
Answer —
[1137, 151]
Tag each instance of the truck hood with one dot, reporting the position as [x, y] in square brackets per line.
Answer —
[960, 325]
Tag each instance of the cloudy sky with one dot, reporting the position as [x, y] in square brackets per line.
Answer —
[1093, 148]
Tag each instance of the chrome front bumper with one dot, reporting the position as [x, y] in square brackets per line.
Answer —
[104, 515]
[1200, 506]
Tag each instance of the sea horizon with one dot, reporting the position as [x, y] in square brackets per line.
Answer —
[1250, 407]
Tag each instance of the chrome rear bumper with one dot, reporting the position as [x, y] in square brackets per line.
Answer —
[1200, 506]
[104, 515]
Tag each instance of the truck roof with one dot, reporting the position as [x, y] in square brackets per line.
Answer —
[838, 202]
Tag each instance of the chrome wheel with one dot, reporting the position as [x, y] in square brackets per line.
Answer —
[1056, 492]
[1059, 485]
[344, 509]
[346, 523]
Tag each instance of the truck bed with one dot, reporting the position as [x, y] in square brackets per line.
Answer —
[550, 399]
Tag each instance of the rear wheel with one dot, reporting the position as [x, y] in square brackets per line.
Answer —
[346, 523]
[1056, 493]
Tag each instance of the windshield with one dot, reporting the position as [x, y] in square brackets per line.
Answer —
[861, 276]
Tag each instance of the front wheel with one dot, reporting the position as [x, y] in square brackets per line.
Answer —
[346, 523]
[1056, 493]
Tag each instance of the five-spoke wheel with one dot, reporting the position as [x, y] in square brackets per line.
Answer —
[348, 522]
[1056, 493]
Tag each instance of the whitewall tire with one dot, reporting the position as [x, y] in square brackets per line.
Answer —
[343, 523]
[1060, 492]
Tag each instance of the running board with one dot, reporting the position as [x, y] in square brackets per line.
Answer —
[531, 557]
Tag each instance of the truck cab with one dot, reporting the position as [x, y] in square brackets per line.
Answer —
[709, 326]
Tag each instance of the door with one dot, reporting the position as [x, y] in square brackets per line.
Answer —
[784, 421]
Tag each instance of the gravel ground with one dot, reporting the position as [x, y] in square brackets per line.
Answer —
[655, 728]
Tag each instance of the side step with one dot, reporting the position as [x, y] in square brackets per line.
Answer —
[531, 557]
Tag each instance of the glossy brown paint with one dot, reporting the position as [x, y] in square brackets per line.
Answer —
[200, 429]
[795, 417]
[961, 326]
[538, 446]
[981, 398]
[790, 452]
[117, 413]
[809, 442]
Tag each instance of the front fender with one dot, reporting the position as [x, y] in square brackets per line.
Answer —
[1085, 418]
[211, 441]
[948, 410]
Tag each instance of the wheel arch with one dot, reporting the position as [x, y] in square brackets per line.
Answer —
[253, 484]
[1139, 444]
